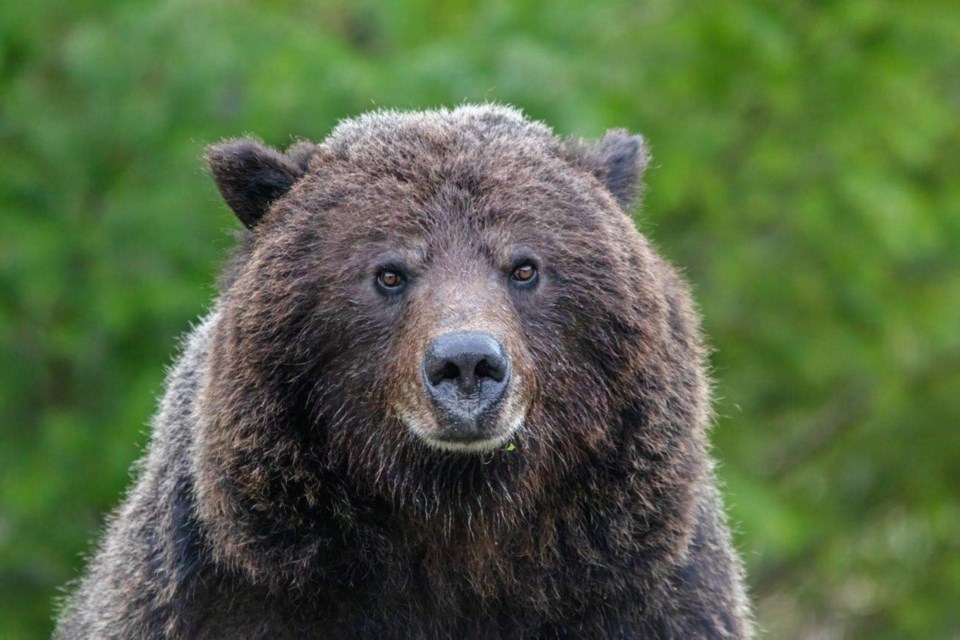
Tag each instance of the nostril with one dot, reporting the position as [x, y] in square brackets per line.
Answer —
[486, 369]
[440, 370]
[450, 371]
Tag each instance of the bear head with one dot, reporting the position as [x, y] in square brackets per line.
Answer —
[442, 319]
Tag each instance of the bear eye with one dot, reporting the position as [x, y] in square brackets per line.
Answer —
[389, 279]
[525, 273]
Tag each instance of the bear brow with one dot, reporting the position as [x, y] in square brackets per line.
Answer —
[396, 249]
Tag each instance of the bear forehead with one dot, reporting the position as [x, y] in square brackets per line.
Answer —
[411, 168]
[447, 197]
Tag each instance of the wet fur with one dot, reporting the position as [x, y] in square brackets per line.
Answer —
[282, 497]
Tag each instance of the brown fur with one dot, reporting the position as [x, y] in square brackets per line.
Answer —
[309, 508]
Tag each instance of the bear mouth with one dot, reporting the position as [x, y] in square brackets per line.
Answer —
[448, 437]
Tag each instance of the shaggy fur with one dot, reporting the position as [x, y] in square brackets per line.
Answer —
[283, 496]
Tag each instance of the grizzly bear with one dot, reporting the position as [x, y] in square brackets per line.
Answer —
[447, 391]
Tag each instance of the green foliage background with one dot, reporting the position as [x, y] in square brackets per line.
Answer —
[806, 168]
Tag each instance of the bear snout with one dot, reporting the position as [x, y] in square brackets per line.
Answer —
[466, 376]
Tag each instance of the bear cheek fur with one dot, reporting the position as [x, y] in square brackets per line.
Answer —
[626, 387]
[267, 495]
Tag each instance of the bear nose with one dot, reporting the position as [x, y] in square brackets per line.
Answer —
[466, 377]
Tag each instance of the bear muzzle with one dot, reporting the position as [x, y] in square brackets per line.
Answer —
[466, 376]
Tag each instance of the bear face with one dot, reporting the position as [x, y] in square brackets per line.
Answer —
[449, 318]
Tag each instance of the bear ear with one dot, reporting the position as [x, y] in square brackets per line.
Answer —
[618, 160]
[251, 175]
